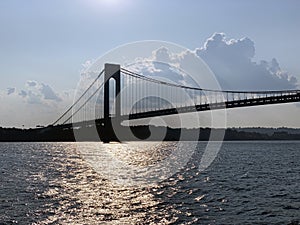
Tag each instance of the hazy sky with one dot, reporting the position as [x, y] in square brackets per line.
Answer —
[44, 43]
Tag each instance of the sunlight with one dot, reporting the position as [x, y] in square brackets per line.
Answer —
[108, 4]
[112, 1]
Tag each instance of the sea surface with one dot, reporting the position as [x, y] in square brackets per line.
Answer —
[60, 183]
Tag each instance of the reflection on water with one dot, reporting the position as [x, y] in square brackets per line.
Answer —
[52, 183]
[137, 163]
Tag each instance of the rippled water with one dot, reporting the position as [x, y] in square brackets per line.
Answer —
[55, 183]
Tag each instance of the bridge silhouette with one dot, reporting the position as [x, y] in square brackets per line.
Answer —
[118, 94]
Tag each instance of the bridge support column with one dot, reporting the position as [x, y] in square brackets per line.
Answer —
[111, 122]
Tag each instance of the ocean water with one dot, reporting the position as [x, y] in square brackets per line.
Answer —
[56, 183]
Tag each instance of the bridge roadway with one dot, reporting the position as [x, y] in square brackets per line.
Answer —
[287, 98]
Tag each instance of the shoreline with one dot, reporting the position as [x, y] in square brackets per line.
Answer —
[142, 133]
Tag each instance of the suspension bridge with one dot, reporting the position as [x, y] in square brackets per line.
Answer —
[118, 94]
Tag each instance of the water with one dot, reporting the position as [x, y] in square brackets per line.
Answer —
[248, 183]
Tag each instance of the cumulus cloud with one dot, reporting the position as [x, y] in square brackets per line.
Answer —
[163, 65]
[34, 98]
[23, 94]
[87, 64]
[11, 91]
[231, 60]
[48, 93]
[31, 83]
[36, 93]
[232, 63]
[162, 55]
[39, 100]
[87, 73]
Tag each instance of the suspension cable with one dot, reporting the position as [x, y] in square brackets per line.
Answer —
[130, 73]
[73, 114]
[71, 107]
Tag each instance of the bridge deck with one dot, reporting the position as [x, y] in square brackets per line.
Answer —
[219, 105]
[203, 107]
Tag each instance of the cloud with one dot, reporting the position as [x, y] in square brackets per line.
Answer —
[31, 83]
[48, 93]
[23, 93]
[36, 93]
[232, 63]
[87, 64]
[163, 65]
[39, 100]
[162, 55]
[34, 98]
[86, 72]
[11, 91]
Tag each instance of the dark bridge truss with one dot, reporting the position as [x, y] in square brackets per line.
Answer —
[221, 105]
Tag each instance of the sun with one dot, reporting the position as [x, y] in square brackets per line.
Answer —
[108, 7]
[108, 3]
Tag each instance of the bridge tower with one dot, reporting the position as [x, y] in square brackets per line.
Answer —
[111, 122]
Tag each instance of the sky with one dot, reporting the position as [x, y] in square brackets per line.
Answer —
[44, 46]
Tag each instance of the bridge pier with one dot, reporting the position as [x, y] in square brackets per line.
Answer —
[111, 122]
